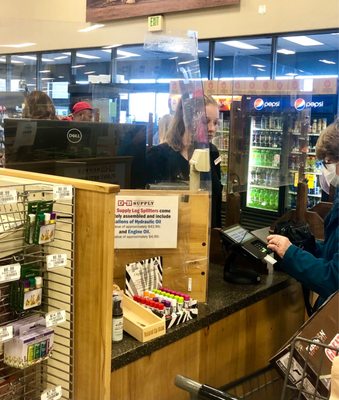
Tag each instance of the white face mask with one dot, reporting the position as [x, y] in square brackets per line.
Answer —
[330, 174]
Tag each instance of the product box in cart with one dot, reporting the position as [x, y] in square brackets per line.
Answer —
[315, 346]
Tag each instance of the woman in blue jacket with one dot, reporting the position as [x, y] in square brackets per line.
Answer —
[318, 272]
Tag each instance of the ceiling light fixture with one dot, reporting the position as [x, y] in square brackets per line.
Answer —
[60, 57]
[258, 65]
[79, 66]
[91, 28]
[28, 57]
[89, 72]
[285, 51]
[303, 40]
[87, 56]
[327, 62]
[240, 45]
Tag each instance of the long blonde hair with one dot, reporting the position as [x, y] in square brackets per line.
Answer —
[183, 122]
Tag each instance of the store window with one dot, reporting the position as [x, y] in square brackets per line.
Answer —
[92, 66]
[308, 55]
[23, 72]
[55, 76]
[243, 58]
[3, 75]
[204, 60]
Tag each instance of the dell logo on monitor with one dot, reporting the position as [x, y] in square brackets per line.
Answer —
[74, 135]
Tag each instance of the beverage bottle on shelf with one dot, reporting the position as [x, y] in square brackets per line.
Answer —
[255, 157]
[319, 128]
[314, 126]
[324, 124]
[268, 139]
[264, 198]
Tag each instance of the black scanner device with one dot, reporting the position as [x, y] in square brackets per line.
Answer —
[238, 240]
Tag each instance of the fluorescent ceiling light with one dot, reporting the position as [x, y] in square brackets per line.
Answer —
[79, 66]
[173, 58]
[200, 51]
[124, 54]
[285, 51]
[46, 59]
[60, 76]
[262, 69]
[67, 53]
[111, 46]
[239, 45]
[88, 56]
[327, 61]
[303, 40]
[291, 74]
[91, 28]
[258, 65]
[46, 79]
[335, 33]
[217, 59]
[60, 57]
[27, 57]
[18, 46]
[89, 72]
[17, 62]
[2, 59]
[45, 71]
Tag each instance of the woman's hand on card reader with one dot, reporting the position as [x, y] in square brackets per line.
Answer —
[279, 244]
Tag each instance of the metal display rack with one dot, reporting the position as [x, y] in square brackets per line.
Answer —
[51, 378]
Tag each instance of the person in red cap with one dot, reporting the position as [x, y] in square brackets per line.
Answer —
[82, 111]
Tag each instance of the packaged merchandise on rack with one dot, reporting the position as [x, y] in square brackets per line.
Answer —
[32, 342]
[306, 360]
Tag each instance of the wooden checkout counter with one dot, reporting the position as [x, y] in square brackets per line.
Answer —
[236, 332]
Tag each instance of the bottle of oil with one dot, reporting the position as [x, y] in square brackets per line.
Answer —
[117, 319]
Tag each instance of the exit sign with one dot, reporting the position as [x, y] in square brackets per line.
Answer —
[155, 23]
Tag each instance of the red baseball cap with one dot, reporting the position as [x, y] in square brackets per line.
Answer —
[81, 106]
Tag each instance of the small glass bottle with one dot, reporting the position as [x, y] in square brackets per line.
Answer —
[117, 320]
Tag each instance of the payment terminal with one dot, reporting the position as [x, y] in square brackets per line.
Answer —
[238, 240]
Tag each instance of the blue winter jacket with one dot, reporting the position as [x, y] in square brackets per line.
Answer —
[319, 273]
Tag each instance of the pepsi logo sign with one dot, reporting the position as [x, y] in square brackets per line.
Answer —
[300, 104]
[74, 135]
[259, 104]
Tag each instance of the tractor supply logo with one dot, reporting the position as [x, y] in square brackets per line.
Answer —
[301, 104]
[259, 104]
[135, 203]
[74, 135]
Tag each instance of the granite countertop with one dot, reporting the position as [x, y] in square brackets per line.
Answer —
[223, 299]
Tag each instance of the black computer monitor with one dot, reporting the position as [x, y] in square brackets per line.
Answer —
[105, 152]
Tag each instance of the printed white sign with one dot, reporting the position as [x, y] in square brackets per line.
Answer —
[10, 272]
[63, 192]
[25, 134]
[8, 196]
[56, 261]
[6, 333]
[52, 394]
[55, 318]
[146, 222]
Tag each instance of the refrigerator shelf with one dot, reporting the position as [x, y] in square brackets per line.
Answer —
[264, 166]
[309, 195]
[257, 186]
[266, 148]
[268, 129]
[306, 172]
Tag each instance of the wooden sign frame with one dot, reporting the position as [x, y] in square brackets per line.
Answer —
[107, 10]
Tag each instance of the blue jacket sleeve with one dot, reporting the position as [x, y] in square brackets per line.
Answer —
[319, 274]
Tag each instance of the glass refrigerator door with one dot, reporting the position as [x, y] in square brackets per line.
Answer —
[266, 133]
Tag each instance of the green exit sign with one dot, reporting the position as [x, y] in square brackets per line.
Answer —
[155, 23]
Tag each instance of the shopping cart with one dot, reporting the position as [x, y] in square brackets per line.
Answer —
[310, 381]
